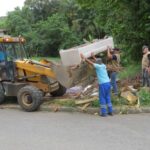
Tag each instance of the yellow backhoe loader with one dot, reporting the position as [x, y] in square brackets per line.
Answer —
[29, 80]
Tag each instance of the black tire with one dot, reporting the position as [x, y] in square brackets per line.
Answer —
[2, 96]
[30, 98]
[60, 91]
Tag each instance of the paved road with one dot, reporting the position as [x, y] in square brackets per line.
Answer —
[72, 131]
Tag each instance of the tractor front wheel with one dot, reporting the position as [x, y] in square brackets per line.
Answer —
[30, 98]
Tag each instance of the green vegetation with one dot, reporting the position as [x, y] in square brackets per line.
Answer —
[144, 96]
[71, 102]
[130, 71]
[2, 22]
[95, 103]
[52, 25]
[116, 101]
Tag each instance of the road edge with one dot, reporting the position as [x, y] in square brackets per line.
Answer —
[89, 110]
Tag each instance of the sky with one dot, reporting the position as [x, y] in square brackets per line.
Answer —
[9, 5]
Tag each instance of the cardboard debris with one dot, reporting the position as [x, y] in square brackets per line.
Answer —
[132, 99]
[132, 89]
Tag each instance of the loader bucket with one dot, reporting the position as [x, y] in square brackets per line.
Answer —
[82, 74]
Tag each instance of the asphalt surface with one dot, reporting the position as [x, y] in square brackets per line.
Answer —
[72, 131]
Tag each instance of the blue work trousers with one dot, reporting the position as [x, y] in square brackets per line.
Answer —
[104, 98]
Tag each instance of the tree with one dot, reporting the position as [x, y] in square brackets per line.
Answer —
[41, 9]
[2, 22]
[127, 21]
[16, 23]
[55, 34]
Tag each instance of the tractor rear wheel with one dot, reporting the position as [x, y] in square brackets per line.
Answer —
[60, 91]
[30, 98]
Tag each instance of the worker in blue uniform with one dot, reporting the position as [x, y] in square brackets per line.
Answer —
[104, 85]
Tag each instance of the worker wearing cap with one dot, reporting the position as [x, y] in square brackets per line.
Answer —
[104, 85]
[113, 66]
[146, 66]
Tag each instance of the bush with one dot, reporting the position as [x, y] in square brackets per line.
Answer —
[144, 96]
[130, 71]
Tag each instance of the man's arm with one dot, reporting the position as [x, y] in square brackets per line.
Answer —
[87, 60]
[93, 56]
[109, 55]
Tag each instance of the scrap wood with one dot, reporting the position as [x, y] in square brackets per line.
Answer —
[132, 89]
[79, 102]
[85, 106]
[87, 90]
[129, 96]
[124, 89]
[128, 88]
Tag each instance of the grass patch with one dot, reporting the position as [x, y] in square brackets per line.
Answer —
[130, 71]
[95, 103]
[116, 101]
[144, 96]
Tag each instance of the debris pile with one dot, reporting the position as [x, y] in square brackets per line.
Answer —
[78, 92]
[129, 91]
[83, 96]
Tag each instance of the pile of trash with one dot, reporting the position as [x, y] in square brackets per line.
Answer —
[83, 96]
[78, 92]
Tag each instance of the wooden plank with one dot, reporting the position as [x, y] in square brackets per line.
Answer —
[79, 102]
[85, 106]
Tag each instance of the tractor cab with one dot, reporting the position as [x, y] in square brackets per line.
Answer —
[11, 49]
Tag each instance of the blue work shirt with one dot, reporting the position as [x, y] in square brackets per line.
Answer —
[102, 74]
[2, 56]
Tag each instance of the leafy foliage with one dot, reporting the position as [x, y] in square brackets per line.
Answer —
[144, 96]
[50, 25]
[2, 22]
[127, 21]
[55, 34]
